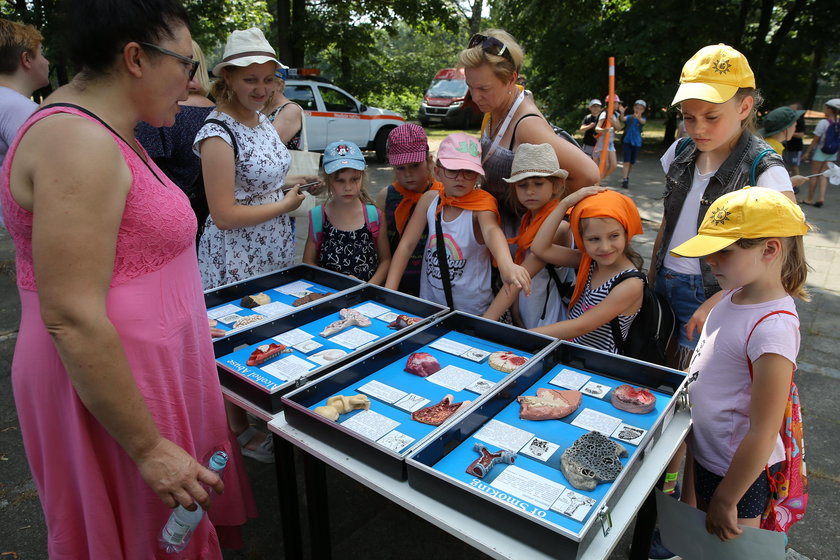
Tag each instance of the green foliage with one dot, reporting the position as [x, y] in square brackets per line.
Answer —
[211, 21]
[397, 76]
[790, 43]
[403, 102]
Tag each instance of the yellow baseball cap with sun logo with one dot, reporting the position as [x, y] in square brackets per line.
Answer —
[749, 213]
[714, 74]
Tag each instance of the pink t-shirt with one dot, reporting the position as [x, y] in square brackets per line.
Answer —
[720, 387]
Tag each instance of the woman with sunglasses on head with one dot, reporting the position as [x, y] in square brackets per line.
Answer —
[114, 376]
[492, 62]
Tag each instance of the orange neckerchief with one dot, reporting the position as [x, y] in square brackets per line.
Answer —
[528, 228]
[606, 204]
[409, 201]
[477, 200]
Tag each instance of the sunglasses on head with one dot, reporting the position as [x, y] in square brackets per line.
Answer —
[191, 63]
[490, 45]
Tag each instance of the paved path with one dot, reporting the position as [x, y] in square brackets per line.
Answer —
[378, 529]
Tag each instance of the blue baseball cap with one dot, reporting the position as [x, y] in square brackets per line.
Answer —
[343, 155]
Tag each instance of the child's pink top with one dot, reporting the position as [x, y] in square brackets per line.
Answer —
[720, 388]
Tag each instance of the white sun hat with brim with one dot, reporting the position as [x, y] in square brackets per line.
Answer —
[247, 47]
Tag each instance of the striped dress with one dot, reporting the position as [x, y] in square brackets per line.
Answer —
[601, 338]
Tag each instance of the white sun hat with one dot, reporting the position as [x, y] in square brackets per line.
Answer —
[247, 47]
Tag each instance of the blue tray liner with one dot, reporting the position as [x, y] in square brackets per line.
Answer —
[394, 375]
[275, 296]
[560, 432]
[235, 361]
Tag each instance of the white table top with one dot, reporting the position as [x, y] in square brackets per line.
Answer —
[487, 539]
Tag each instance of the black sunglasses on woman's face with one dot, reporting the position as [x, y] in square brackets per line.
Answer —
[490, 45]
[193, 64]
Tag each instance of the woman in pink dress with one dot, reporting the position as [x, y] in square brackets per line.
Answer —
[113, 374]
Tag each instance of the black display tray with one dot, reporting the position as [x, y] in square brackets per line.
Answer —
[233, 293]
[268, 398]
[561, 541]
[388, 362]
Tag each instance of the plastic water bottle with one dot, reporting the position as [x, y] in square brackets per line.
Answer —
[181, 524]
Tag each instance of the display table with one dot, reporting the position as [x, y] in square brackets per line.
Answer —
[488, 540]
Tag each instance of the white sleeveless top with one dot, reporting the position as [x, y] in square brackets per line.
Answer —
[543, 306]
[469, 264]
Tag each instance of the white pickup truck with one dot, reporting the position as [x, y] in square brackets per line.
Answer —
[333, 114]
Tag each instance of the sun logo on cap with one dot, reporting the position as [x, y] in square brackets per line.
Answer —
[342, 150]
[721, 216]
[722, 66]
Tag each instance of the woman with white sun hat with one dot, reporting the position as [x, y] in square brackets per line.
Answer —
[249, 231]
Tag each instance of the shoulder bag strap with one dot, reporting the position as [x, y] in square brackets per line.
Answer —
[230, 133]
[615, 326]
[443, 263]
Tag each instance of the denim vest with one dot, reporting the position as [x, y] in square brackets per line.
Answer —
[733, 174]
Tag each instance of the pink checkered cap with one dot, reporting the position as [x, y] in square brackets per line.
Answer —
[460, 151]
[407, 144]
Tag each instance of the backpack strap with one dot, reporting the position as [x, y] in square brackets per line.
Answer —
[754, 178]
[682, 145]
[372, 220]
[443, 263]
[615, 326]
[778, 312]
[230, 133]
[770, 477]
[316, 224]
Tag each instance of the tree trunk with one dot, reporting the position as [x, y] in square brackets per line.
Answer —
[297, 43]
[475, 16]
[282, 18]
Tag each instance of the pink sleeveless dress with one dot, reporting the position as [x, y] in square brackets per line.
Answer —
[95, 502]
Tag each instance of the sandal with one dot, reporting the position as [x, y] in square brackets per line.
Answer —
[264, 453]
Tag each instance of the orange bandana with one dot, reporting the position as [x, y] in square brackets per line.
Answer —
[606, 204]
[408, 202]
[528, 229]
[477, 200]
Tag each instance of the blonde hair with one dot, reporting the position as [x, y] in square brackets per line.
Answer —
[201, 74]
[503, 68]
[327, 179]
[751, 122]
[794, 271]
[221, 91]
[15, 39]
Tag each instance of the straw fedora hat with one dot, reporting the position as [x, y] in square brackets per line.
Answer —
[247, 47]
[535, 160]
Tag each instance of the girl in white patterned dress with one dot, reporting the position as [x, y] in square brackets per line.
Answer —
[249, 231]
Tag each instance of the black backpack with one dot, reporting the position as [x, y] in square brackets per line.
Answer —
[651, 330]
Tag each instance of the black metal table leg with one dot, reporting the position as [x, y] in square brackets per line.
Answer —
[645, 524]
[314, 472]
[284, 461]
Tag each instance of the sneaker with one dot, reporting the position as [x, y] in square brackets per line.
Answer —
[657, 549]
[625, 183]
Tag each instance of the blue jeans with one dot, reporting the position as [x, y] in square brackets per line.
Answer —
[685, 294]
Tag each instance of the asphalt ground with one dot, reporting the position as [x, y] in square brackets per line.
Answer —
[372, 527]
